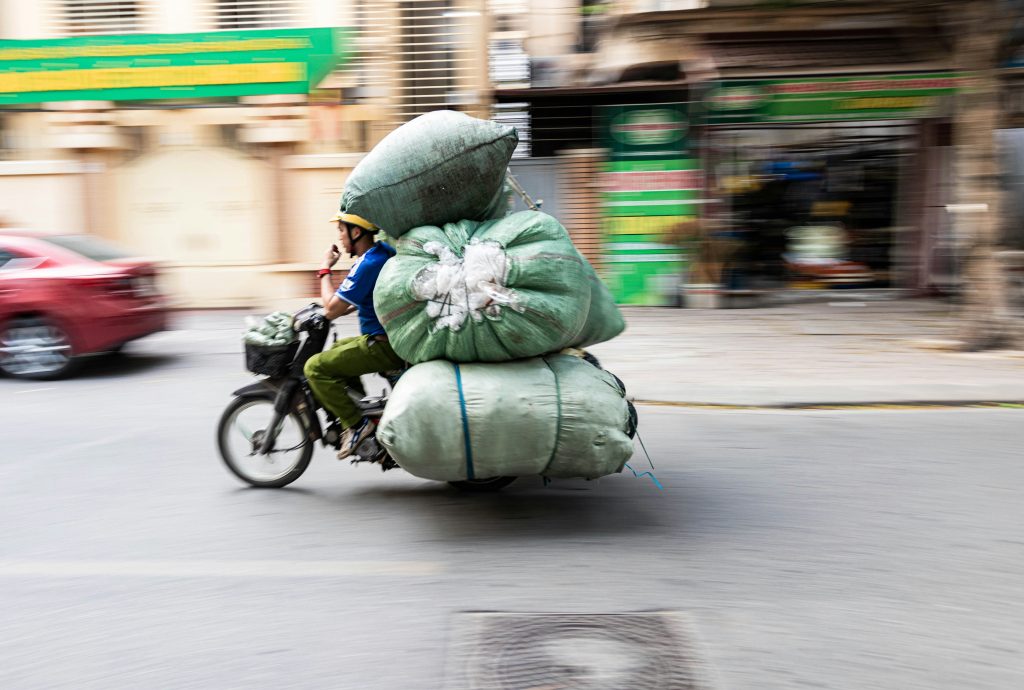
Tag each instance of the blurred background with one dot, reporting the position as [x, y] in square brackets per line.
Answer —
[833, 189]
[701, 152]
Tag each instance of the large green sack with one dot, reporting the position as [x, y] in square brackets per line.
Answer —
[438, 168]
[556, 416]
[604, 320]
[505, 289]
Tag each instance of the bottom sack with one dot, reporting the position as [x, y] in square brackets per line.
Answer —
[556, 416]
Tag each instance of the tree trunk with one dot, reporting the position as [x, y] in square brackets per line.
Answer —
[986, 321]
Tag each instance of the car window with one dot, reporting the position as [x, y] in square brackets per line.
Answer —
[10, 261]
[89, 247]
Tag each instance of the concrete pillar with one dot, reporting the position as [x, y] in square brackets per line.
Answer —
[180, 16]
[328, 13]
[978, 211]
[23, 20]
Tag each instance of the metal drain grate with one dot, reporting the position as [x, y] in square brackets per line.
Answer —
[620, 651]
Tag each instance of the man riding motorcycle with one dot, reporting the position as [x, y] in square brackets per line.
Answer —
[333, 372]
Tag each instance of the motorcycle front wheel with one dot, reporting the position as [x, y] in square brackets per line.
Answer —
[240, 434]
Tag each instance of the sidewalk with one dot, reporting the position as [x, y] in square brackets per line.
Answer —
[843, 352]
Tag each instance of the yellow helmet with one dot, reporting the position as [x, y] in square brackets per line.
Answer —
[353, 219]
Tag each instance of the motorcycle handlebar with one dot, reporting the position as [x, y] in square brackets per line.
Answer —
[308, 316]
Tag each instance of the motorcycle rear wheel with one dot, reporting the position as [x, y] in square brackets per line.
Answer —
[483, 486]
[292, 450]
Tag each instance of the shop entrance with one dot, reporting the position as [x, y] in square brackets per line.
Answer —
[824, 205]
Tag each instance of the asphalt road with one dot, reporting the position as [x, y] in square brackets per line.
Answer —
[850, 549]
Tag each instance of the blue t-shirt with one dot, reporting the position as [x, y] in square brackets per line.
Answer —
[357, 289]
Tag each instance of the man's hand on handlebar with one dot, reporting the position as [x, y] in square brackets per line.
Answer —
[301, 318]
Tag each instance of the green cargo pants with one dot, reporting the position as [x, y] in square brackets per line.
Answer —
[332, 372]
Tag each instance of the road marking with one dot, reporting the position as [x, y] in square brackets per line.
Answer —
[237, 569]
[36, 390]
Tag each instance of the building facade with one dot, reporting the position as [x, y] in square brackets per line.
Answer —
[231, 193]
[730, 132]
[659, 131]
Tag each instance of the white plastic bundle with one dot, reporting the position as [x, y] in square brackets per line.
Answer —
[471, 286]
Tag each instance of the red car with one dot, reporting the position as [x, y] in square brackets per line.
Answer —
[62, 296]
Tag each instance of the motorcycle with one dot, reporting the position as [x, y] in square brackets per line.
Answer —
[267, 434]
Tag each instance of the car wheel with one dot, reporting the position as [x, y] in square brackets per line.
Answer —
[35, 348]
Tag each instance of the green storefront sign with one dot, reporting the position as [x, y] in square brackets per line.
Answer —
[651, 184]
[169, 66]
[636, 132]
[813, 99]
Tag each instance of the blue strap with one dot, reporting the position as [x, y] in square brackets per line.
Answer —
[558, 414]
[645, 474]
[465, 424]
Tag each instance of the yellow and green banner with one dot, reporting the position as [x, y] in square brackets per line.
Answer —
[820, 99]
[138, 67]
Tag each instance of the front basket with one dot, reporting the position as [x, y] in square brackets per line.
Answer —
[270, 361]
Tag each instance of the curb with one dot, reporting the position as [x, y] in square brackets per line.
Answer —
[797, 407]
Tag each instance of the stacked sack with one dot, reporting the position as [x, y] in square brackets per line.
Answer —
[503, 289]
[437, 168]
[481, 303]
